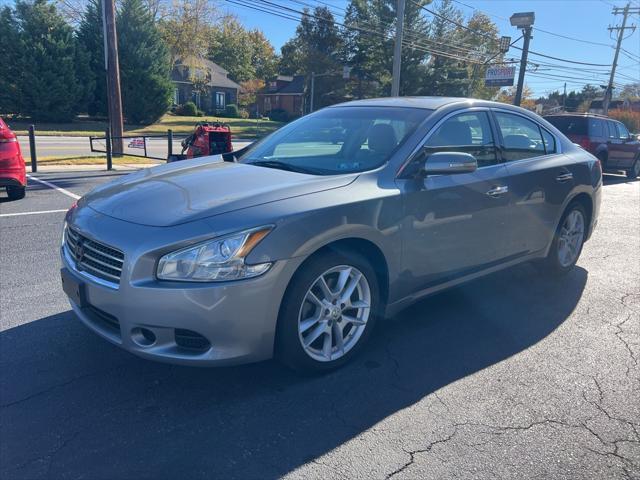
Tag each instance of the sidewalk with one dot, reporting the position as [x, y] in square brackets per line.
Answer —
[90, 168]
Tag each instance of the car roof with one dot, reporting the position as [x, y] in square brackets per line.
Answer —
[580, 115]
[430, 103]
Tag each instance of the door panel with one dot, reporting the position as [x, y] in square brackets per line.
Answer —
[539, 187]
[615, 146]
[453, 226]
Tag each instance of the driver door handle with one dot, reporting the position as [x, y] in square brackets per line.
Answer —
[498, 191]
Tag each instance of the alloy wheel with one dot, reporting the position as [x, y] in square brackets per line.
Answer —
[334, 313]
[570, 238]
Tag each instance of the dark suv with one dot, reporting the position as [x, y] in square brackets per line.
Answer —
[607, 139]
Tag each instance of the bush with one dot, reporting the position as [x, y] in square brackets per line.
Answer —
[231, 111]
[630, 119]
[244, 113]
[188, 109]
[279, 115]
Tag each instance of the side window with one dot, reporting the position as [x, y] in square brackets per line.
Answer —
[521, 137]
[623, 133]
[549, 142]
[613, 131]
[469, 133]
[596, 128]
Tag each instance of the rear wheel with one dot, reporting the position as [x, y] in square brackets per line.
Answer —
[568, 240]
[16, 193]
[634, 171]
[328, 312]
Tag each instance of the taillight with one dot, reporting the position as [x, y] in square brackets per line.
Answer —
[585, 143]
[7, 136]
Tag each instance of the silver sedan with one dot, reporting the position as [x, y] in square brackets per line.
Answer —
[296, 245]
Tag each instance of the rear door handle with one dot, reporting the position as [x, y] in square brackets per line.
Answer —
[564, 177]
[498, 191]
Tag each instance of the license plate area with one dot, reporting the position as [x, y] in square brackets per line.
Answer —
[74, 288]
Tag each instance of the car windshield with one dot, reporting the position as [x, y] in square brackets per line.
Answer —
[337, 140]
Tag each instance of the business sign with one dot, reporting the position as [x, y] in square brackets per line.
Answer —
[499, 76]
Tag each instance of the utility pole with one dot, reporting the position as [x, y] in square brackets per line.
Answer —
[313, 91]
[112, 68]
[523, 21]
[564, 97]
[626, 11]
[397, 51]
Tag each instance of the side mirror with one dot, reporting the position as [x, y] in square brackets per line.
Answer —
[442, 163]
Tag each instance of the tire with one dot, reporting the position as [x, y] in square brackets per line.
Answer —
[302, 319]
[16, 193]
[634, 171]
[556, 262]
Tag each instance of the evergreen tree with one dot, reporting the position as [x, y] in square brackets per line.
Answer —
[93, 76]
[144, 64]
[11, 66]
[47, 78]
[316, 48]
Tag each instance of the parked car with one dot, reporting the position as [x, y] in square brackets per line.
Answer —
[604, 137]
[13, 175]
[295, 245]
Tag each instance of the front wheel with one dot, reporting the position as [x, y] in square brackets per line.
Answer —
[328, 312]
[568, 240]
[634, 171]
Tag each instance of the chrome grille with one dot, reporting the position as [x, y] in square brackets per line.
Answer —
[94, 257]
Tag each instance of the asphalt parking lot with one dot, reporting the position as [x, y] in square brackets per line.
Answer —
[512, 376]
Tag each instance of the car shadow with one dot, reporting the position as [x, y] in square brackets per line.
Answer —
[75, 406]
[615, 179]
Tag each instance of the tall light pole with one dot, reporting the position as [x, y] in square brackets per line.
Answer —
[112, 68]
[397, 51]
[524, 22]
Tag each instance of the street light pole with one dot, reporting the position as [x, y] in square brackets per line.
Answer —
[523, 21]
[112, 68]
[313, 91]
[397, 52]
[523, 66]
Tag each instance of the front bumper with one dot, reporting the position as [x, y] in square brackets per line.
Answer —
[236, 319]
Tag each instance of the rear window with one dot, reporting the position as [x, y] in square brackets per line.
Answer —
[570, 125]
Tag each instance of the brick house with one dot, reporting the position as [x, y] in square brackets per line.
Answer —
[284, 93]
[218, 91]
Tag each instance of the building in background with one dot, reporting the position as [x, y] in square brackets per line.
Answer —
[207, 85]
[286, 94]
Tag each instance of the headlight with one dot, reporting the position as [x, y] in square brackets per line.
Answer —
[215, 260]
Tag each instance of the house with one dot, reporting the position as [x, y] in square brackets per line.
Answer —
[204, 83]
[626, 104]
[284, 93]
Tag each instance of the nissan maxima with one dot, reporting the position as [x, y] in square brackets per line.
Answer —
[294, 246]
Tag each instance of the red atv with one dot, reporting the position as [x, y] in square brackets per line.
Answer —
[208, 139]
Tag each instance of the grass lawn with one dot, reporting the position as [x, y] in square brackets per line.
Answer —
[83, 127]
[93, 160]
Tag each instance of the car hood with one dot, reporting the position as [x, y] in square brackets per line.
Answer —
[190, 190]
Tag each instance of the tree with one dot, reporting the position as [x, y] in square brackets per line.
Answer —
[245, 54]
[186, 30]
[248, 92]
[316, 47]
[10, 88]
[47, 76]
[508, 95]
[93, 75]
[144, 64]
[631, 91]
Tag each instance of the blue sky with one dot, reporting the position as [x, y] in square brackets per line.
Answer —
[581, 19]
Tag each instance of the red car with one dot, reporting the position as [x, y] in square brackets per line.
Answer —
[604, 137]
[13, 175]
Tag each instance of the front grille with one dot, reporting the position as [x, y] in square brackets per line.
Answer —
[94, 257]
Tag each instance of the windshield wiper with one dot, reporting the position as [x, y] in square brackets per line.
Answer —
[280, 165]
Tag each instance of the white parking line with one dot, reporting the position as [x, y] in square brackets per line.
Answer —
[30, 213]
[55, 187]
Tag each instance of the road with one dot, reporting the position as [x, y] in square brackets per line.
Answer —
[512, 376]
[48, 146]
